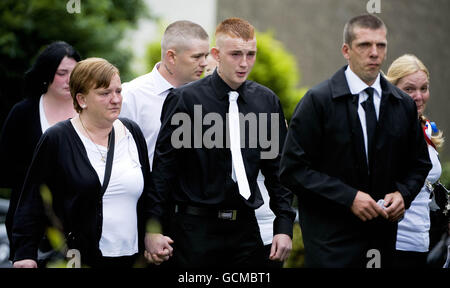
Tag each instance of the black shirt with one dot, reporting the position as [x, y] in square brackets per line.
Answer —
[199, 175]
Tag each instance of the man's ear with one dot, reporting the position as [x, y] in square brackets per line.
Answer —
[215, 53]
[171, 56]
[345, 51]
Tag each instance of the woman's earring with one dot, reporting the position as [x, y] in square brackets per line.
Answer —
[83, 106]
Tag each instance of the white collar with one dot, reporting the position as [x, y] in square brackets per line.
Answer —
[356, 85]
[161, 84]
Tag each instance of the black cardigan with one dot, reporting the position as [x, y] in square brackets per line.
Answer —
[20, 134]
[61, 162]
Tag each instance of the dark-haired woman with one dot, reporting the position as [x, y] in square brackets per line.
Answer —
[47, 101]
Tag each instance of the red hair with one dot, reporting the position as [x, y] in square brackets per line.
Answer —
[236, 28]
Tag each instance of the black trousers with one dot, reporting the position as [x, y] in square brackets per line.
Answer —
[267, 263]
[116, 262]
[382, 236]
[210, 242]
[410, 259]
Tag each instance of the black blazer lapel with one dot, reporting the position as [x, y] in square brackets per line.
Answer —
[386, 119]
[339, 88]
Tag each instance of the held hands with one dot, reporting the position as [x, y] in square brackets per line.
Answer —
[157, 248]
[281, 247]
[365, 208]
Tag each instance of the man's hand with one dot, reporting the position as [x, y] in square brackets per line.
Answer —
[365, 208]
[157, 248]
[395, 206]
[281, 247]
[26, 263]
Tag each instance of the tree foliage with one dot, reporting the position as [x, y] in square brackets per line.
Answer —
[445, 176]
[27, 26]
[152, 54]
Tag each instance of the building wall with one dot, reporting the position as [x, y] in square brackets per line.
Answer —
[312, 30]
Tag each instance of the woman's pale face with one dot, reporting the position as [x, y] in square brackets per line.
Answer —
[60, 84]
[416, 85]
[104, 104]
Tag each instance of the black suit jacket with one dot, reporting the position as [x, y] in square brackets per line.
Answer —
[324, 163]
[18, 139]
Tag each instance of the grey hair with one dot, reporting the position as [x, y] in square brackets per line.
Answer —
[179, 33]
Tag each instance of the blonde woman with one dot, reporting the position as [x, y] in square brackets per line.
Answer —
[102, 216]
[410, 74]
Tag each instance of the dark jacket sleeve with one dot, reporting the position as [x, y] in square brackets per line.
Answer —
[29, 220]
[12, 164]
[419, 163]
[164, 162]
[18, 139]
[280, 197]
[301, 158]
[10, 171]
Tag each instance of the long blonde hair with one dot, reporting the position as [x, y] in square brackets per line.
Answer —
[406, 65]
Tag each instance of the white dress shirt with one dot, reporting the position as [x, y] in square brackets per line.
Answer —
[264, 215]
[413, 230]
[44, 122]
[143, 99]
[357, 87]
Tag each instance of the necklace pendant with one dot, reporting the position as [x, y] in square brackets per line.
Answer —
[103, 159]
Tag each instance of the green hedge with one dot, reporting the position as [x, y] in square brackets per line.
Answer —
[445, 176]
[297, 257]
[276, 68]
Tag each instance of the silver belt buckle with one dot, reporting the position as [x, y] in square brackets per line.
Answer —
[227, 214]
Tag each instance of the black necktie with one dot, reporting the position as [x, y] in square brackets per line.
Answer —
[371, 122]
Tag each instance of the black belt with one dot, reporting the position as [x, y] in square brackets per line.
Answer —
[211, 212]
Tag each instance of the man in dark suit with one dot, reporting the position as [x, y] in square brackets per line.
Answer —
[354, 140]
[206, 191]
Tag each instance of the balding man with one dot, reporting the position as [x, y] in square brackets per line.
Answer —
[184, 48]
